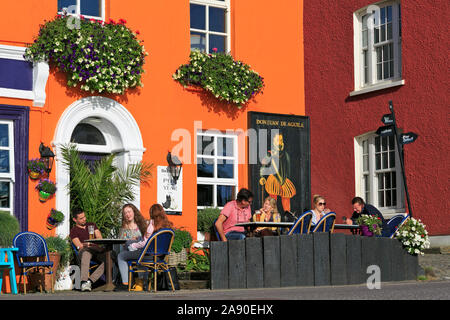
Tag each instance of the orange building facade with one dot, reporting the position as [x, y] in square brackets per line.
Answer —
[145, 123]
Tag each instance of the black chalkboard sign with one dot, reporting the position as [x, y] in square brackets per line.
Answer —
[279, 161]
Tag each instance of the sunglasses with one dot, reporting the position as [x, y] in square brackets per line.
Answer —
[322, 204]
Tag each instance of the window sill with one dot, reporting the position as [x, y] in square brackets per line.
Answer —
[376, 87]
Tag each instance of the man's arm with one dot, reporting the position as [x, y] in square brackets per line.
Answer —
[219, 226]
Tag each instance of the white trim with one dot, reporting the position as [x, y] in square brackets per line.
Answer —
[78, 11]
[111, 112]
[41, 71]
[379, 86]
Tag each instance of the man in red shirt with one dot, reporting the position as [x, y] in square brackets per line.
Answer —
[236, 211]
[87, 251]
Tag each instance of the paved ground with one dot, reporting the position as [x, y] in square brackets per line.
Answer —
[436, 266]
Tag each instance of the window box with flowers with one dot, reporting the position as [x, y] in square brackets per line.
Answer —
[46, 189]
[97, 56]
[225, 78]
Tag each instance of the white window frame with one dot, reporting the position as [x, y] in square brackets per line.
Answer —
[9, 177]
[373, 83]
[214, 181]
[78, 11]
[218, 4]
[360, 191]
[41, 71]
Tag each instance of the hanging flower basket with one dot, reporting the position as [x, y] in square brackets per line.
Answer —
[218, 73]
[97, 56]
[413, 236]
[36, 168]
[54, 218]
[46, 189]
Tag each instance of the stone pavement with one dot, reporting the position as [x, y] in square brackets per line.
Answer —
[436, 265]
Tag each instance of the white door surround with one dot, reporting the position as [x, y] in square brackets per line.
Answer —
[120, 130]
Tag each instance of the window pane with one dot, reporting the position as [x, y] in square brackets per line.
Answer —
[389, 13]
[4, 195]
[4, 135]
[198, 17]
[377, 144]
[389, 31]
[226, 170]
[66, 4]
[217, 19]
[198, 41]
[4, 161]
[91, 8]
[218, 42]
[383, 33]
[381, 198]
[205, 168]
[205, 195]
[225, 147]
[87, 134]
[224, 194]
[376, 33]
[392, 159]
[205, 145]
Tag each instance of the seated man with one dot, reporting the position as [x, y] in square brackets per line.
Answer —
[87, 251]
[235, 211]
[360, 208]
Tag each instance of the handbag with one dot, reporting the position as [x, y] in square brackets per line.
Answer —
[163, 281]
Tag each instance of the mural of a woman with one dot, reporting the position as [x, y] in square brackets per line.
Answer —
[277, 167]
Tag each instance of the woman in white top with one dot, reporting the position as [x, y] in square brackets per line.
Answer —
[319, 209]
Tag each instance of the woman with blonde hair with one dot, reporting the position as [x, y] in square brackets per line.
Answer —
[268, 213]
[319, 209]
[158, 220]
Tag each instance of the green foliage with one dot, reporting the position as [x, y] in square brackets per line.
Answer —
[98, 56]
[206, 217]
[9, 227]
[46, 185]
[220, 74]
[182, 239]
[101, 193]
[61, 246]
[198, 262]
[413, 236]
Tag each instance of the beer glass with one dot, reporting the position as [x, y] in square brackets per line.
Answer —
[91, 232]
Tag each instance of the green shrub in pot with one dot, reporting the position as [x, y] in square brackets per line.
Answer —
[182, 239]
[206, 217]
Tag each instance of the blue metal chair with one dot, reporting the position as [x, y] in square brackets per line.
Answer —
[93, 264]
[393, 224]
[153, 257]
[302, 224]
[32, 246]
[326, 223]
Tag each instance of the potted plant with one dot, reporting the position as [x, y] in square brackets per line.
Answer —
[46, 189]
[218, 73]
[54, 218]
[370, 225]
[413, 236]
[205, 220]
[181, 242]
[9, 227]
[36, 167]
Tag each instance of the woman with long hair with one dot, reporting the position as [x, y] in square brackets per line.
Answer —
[268, 213]
[134, 224]
[158, 220]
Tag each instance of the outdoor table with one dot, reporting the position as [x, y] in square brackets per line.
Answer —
[254, 225]
[354, 228]
[108, 244]
[9, 265]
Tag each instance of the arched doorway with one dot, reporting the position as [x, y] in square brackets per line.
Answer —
[98, 126]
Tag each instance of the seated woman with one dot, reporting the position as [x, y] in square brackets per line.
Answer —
[268, 213]
[158, 220]
[319, 209]
[133, 223]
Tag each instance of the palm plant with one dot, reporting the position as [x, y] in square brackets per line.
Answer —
[100, 193]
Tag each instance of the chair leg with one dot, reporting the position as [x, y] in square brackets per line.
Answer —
[12, 280]
[24, 283]
[155, 272]
[170, 278]
[130, 278]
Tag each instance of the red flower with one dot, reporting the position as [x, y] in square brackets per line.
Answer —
[122, 21]
[214, 49]
[137, 32]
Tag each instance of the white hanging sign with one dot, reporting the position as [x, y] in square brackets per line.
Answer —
[170, 193]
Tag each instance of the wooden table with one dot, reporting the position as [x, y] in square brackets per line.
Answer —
[254, 225]
[354, 228]
[108, 244]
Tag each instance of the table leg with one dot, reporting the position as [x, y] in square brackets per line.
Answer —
[109, 286]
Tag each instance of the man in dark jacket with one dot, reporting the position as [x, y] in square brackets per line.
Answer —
[360, 208]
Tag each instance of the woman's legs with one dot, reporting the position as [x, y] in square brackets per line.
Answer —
[123, 265]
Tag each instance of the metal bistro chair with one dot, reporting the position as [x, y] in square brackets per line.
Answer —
[302, 224]
[32, 245]
[215, 231]
[394, 223]
[153, 257]
[326, 223]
